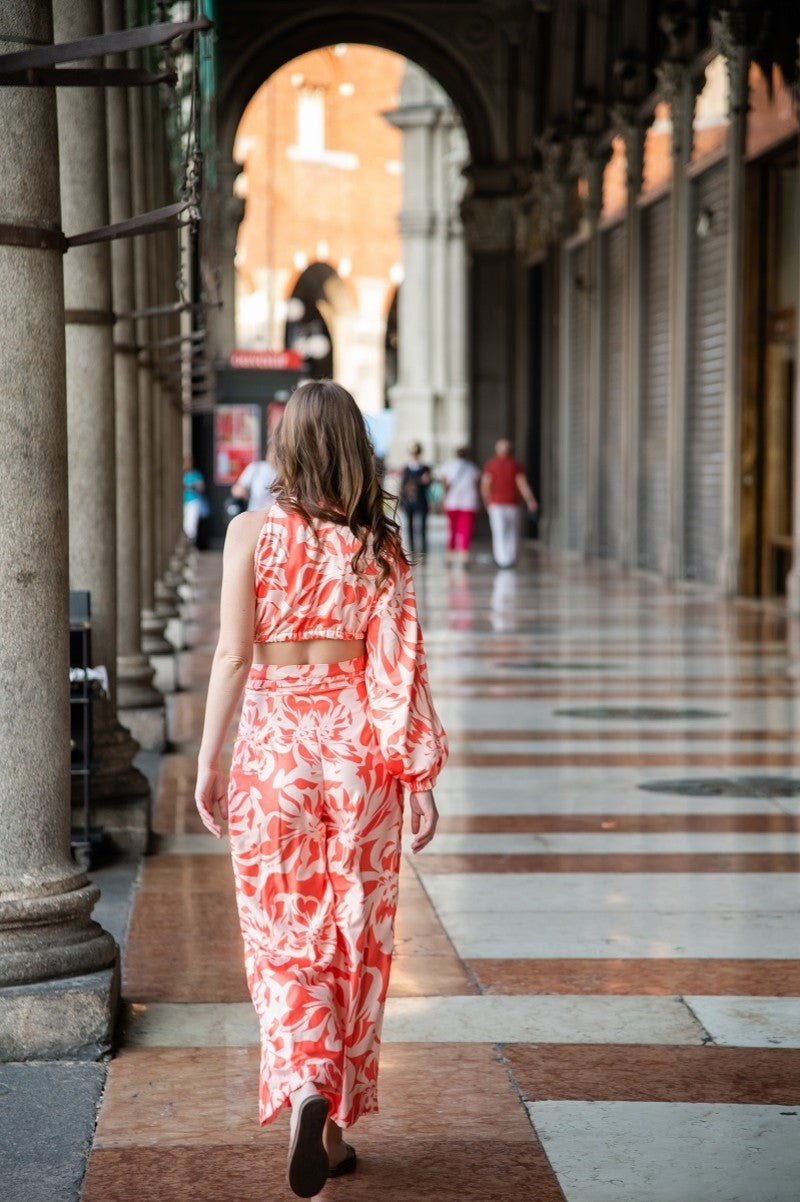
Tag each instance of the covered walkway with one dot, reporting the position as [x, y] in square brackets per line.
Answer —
[595, 990]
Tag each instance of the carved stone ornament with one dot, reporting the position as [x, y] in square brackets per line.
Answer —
[490, 223]
[734, 34]
[629, 76]
[670, 82]
[678, 23]
[628, 126]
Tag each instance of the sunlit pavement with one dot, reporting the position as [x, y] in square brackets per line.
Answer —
[595, 991]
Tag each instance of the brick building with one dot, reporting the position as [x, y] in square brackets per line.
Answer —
[322, 184]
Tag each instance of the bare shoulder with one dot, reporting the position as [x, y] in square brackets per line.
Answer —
[243, 532]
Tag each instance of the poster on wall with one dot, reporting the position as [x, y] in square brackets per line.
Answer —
[237, 440]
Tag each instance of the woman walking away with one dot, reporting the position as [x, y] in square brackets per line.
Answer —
[337, 721]
[461, 478]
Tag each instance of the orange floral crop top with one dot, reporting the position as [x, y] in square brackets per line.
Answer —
[306, 588]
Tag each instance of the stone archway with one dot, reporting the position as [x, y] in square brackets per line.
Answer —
[459, 68]
[472, 58]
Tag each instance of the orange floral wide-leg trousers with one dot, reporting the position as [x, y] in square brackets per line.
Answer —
[314, 824]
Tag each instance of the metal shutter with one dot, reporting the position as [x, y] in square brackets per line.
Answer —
[652, 520]
[706, 395]
[578, 283]
[609, 515]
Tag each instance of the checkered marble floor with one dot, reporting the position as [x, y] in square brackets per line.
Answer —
[596, 989]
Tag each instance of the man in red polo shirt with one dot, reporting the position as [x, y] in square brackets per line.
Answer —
[502, 484]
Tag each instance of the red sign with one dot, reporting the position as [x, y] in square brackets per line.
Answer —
[269, 360]
[237, 430]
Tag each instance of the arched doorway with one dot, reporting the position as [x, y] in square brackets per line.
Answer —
[318, 295]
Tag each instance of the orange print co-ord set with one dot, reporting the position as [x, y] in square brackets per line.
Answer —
[322, 756]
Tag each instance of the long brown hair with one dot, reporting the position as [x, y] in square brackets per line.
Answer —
[326, 469]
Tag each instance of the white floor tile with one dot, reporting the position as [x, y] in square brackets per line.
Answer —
[751, 1022]
[519, 1019]
[671, 1152]
[611, 844]
[616, 894]
[190, 1024]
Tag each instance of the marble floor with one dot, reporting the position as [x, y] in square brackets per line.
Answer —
[596, 988]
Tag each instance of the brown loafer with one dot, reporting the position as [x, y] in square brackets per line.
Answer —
[346, 1165]
[308, 1160]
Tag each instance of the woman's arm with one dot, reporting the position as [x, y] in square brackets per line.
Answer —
[231, 663]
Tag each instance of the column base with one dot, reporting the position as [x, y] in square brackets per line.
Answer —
[124, 821]
[167, 601]
[148, 725]
[48, 935]
[153, 639]
[672, 562]
[135, 682]
[68, 1019]
[728, 574]
[113, 772]
[793, 588]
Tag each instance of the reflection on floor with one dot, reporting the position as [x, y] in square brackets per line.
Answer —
[595, 992]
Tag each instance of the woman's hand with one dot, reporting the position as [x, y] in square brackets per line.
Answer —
[211, 791]
[424, 817]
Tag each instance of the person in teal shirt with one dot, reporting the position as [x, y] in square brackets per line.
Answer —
[194, 501]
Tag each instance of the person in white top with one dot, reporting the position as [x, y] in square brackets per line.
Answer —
[461, 478]
[255, 483]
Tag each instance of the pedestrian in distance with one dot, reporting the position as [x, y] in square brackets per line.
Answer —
[414, 485]
[318, 626]
[503, 483]
[461, 478]
[195, 503]
[254, 485]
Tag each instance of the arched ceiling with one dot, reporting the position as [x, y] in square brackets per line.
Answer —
[464, 46]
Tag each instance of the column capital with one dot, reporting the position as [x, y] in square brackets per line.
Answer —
[678, 87]
[490, 223]
[628, 125]
[672, 76]
[734, 34]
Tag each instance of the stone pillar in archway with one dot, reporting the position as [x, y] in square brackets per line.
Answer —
[490, 229]
[678, 89]
[120, 792]
[430, 396]
[57, 966]
[631, 130]
[793, 579]
[134, 671]
[230, 211]
[153, 640]
[734, 37]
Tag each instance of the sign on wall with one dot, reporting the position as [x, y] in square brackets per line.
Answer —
[237, 440]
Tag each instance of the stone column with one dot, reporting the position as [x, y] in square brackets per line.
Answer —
[153, 640]
[793, 579]
[134, 673]
[429, 397]
[678, 89]
[549, 200]
[229, 212]
[119, 791]
[164, 271]
[57, 967]
[455, 424]
[596, 350]
[731, 38]
[490, 232]
[633, 135]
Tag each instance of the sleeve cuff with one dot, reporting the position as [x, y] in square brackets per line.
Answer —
[420, 786]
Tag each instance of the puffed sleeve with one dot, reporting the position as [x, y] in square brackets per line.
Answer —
[408, 729]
